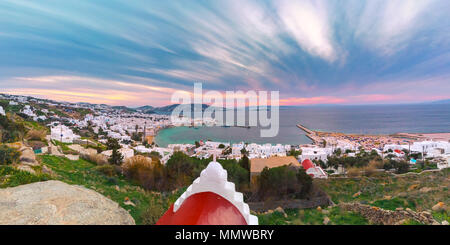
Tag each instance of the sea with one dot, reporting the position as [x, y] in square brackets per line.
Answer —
[361, 119]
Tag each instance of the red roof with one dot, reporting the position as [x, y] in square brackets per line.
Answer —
[307, 164]
[398, 151]
[204, 208]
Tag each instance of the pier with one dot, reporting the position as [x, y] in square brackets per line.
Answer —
[308, 131]
[310, 134]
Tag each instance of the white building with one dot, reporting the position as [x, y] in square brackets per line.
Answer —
[63, 134]
[126, 153]
[2, 112]
[27, 110]
[315, 153]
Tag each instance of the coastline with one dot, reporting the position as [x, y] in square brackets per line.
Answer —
[368, 141]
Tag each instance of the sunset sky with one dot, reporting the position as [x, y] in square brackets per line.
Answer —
[140, 52]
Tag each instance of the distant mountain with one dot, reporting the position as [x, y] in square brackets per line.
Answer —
[145, 108]
[168, 109]
[123, 108]
[447, 101]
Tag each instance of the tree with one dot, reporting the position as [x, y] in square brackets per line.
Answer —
[244, 152]
[294, 153]
[221, 146]
[338, 152]
[305, 180]
[112, 144]
[401, 167]
[116, 157]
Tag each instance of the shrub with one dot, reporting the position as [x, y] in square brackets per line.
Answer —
[98, 159]
[10, 131]
[8, 155]
[152, 214]
[401, 167]
[148, 174]
[34, 134]
[369, 170]
[353, 172]
[283, 182]
[182, 169]
[36, 144]
[106, 169]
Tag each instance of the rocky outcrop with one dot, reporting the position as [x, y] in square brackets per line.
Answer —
[27, 157]
[376, 215]
[58, 203]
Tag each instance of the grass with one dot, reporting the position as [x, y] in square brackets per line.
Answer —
[392, 204]
[11, 177]
[35, 125]
[390, 192]
[441, 216]
[83, 173]
[312, 217]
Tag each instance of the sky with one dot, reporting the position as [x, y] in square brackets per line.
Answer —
[138, 53]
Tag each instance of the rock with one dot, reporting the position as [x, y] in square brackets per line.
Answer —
[401, 222]
[47, 170]
[438, 207]
[56, 203]
[72, 157]
[436, 223]
[425, 189]
[326, 220]
[399, 209]
[412, 187]
[117, 188]
[28, 157]
[279, 209]
[130, 203]
[402, 194]
[445, 222]
[324, 211]
[387, 197]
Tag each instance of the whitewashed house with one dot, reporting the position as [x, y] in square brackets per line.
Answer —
[63, 134]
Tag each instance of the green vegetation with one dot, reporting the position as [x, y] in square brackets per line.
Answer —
[181, 170]
[64, 147]
[116, 157]
[10, 177]
[312, 217]
[10, 131]
[117, 188]
[416, 191]
[285, 182]
[392, 204]
[8, 155]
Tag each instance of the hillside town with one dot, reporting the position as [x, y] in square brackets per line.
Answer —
[92, 125]
[40, 136]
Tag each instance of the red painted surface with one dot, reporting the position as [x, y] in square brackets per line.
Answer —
[205, 208]
[307, 164]
[398, 151]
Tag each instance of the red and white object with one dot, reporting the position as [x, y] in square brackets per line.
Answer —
[313, 170]
[210, 200]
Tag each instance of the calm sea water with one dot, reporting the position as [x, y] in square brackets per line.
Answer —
[379, 119]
